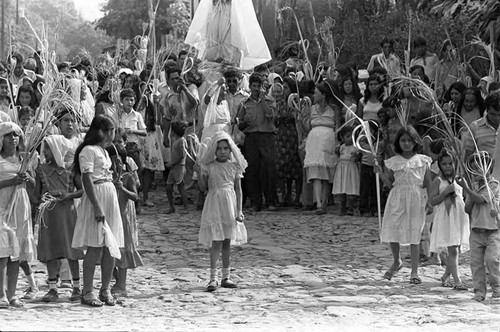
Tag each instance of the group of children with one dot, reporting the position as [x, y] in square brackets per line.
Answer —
[79, 191]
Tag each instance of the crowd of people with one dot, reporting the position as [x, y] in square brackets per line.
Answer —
[242, 141]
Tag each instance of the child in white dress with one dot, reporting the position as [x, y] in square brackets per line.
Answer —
[346, 178]
[222, 167]
[451, 223]
[404, 217]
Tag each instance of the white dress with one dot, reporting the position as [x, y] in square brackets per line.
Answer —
[89, 233]
[346, 178]
[16, 233]
[320, 156]
[404, 216]
[451, 227]
[218, 218]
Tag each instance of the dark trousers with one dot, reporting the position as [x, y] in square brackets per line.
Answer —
[368, 190]
[260, 152]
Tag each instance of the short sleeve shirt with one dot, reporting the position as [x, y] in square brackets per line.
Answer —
[94, 159]
[132, 120]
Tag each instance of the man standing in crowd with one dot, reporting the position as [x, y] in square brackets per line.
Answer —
[256, 119]
[387, 59]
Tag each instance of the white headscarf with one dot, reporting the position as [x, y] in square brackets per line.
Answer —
[60, 146]
[208, 156]
[7, 128]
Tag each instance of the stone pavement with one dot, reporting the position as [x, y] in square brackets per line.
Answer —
[299, 272]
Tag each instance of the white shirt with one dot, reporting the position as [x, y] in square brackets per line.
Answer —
[132, 120]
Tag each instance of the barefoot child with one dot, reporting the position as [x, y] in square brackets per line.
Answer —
[482, 205]
[127, 194]
[99, 205]
[177, 165]
[57, 216]
[222, 167]
[404, 217]
[451, 223]
[346, 178]
[16, 236]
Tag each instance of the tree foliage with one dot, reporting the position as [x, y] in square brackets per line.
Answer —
[480, 12]
[68, 32]
[361, 25]
[126, 18]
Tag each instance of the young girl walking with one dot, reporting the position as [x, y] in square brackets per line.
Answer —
[127, 195]
[16, 235]
[451, 223]
[99, 205]
[346, 178]
[222, 167]
[404, 217]
[55, 188]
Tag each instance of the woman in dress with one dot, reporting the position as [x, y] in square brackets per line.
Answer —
[288, 164]
[320, 144]
[98, 210]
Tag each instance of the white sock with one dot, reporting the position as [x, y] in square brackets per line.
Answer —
[213, 274]
[225, 273]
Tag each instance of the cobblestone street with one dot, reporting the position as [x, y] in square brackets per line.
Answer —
[299, 272]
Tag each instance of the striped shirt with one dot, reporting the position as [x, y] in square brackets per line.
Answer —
[484, 135]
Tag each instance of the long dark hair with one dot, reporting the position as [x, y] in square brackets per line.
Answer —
[380, 92]
[101, 123]
[412, 132]
[356, 93]
[27, 89]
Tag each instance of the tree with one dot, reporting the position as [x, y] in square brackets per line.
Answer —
[67, 32]
[125, 18]
[484, 13]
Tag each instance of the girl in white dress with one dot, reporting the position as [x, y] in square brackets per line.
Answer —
[16, 234]
[451, 223]
[346, 178]
[404, 217]
[99, 206]
[222, 167]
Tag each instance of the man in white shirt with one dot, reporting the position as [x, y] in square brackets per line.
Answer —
[133, 124]
[387, 59]
[424, 58]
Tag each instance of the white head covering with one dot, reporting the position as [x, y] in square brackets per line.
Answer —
[60, 146]
[7, 128]
[208, 156]
[272, 76]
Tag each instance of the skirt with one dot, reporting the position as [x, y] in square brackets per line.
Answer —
[88, 232]
[130, 257]
[56, 233]
[153, 158]
[346, 179]
[320, 154]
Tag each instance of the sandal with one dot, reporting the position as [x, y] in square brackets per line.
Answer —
[461, 287]
[91, 300]
[106, 297]
[415, 280]
[392, 272]
[447, 283]
[4, 304]
[16, 303]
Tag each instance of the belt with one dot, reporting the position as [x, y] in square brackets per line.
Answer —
[101, 181]
[484, 230]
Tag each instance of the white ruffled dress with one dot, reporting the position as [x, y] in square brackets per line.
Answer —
[218, 218]
[404, 214]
